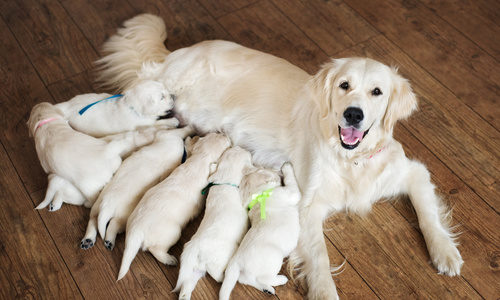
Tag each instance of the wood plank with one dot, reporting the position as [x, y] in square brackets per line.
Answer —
[31, 266]
[218, 8]
[68, 88]
[21, 89]
[263, 27]
[98, 20]
[95, 270]
[398, 264]
[469, 16]
[459, 64]
[53, 43]
[186, 20]
[332, 25]
[446, 126]
[478, 223]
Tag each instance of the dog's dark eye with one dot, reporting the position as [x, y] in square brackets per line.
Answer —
[344, 85]
[376, 92]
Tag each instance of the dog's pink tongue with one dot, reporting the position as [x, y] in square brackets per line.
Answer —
[351, 135]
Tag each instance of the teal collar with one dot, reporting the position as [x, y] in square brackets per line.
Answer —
[94, 103]
[210, 184]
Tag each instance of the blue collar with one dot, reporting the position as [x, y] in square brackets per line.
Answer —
[92, 104]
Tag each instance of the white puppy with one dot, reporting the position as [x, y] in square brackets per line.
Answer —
[78, 165]
[156, 223]
[223, 225]
[146, 104]
[260, 255]
[137, 174]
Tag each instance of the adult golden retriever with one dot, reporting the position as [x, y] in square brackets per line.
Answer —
[335, 127]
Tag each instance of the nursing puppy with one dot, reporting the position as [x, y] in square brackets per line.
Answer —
[335, 127]
[223, 225]
[156, 223]
[137, 174]
[146, 104]
[78, 165]
[260, 255]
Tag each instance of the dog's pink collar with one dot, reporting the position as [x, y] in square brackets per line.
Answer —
[43, 122]
[376, 152]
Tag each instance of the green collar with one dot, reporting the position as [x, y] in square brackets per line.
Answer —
[210, 184]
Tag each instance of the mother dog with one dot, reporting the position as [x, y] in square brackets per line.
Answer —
[335, 127]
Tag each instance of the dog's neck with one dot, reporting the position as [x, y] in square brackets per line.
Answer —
[45, 121]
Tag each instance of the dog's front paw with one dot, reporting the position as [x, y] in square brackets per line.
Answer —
[86, 244]
[446, 258]
[322, 292]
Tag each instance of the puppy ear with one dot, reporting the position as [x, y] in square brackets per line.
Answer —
[189, 143]
[402, 102]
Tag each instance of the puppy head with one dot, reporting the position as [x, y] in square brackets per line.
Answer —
[150, 98]
[257, 181]
[358, 96]
[212, 145]
[40, 112]
[232, 165]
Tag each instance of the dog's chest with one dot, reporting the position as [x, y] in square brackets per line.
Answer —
[353, 187]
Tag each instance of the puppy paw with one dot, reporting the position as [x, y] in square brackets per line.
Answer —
[322, 292]
[447, 259]
[86, 244]
[54, 206]
[269, 290]
[109, 245]
[171, 260]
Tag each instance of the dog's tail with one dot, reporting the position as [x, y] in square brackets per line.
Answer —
[140, 40]
[230, 278]
[55, 183]
[133, 243]
[188, 273]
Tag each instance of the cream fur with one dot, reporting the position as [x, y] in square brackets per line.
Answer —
[261, 252]
[78, 165]
[140, 106]
[156, 223]
[224, 223]
[137, 174]
[280, 113]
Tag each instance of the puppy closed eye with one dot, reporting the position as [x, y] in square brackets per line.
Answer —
[376, 92]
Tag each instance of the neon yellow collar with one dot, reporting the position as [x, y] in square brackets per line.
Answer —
[261, 199]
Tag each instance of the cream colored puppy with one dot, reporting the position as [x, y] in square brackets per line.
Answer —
[223, 225]
[79, 165]
[156, 223]
[260, 255]
[137, 174]
[146, 104]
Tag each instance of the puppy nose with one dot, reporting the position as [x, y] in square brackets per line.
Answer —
[353, 115]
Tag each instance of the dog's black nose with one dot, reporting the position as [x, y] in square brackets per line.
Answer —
[353, 115]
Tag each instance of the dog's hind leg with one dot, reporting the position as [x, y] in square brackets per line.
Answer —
[189, 284]
[161, 254]
[115, 226]
[90, 235]
[124, 143]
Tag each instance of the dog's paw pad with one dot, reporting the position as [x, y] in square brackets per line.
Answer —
[109, 245]
[86, 244]
[267, 292]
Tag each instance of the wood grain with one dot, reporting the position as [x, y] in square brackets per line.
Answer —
[31, 265]
[49, 37]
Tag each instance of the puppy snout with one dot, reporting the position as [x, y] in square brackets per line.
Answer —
[353, 116]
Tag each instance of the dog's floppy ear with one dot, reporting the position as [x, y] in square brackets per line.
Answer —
[189, 143]
[402, 102]
[322, 85]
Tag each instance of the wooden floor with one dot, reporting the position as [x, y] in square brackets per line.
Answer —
[449, 50]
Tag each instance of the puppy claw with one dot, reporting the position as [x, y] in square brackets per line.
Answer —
[86, 244]
[109, 245]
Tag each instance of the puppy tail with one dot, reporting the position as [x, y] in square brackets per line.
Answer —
[140, 40]
[133, 243]
[55, 183]
[230, 278]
